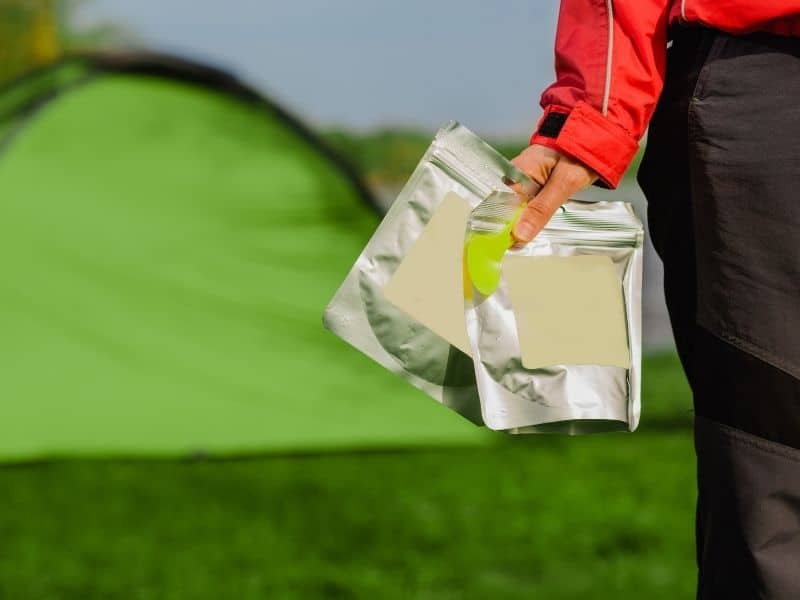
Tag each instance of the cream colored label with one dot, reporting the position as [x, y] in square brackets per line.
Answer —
[428, 285]
[569, 310]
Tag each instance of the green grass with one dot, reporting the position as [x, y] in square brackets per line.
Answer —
[666, 398]
[607, 516]
[600, 517]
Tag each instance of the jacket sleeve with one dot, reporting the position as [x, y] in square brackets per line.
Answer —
[610, 61]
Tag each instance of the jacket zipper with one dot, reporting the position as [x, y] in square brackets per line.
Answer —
[609, 56]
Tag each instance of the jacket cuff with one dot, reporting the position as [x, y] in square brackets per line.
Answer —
[587, 136]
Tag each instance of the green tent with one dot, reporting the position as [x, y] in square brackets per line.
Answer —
[169, 239]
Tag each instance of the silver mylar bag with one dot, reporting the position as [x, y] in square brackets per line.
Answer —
[567, 398]
[457, 162]
[563, 398]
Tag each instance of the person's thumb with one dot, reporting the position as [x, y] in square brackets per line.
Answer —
[556, 191]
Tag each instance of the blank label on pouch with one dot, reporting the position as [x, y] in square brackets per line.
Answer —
[569, 310]
[429, 283]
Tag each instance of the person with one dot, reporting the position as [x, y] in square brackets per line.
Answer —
[718, 84]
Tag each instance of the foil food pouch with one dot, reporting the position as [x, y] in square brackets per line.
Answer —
[402, 303]
[557, 344]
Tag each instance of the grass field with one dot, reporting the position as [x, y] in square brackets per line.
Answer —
[536, 517]
[462, 516]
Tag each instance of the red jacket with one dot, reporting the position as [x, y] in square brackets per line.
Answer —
[610, 59]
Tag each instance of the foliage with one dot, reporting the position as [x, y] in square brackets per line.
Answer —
[387, 157]
[39, 32]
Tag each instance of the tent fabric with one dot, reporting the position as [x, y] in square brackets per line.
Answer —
[169, 240]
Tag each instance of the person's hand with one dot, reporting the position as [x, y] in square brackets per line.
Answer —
[560, 177]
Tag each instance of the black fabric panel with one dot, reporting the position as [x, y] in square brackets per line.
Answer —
[664, 178]
[729, 237]
[749, 543]
[741, 390]
[744, 126]
[721, 174]
[552, 124]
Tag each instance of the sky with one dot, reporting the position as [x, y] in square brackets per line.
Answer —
[365, 64]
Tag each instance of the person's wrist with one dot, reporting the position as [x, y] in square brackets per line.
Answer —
[588, 136]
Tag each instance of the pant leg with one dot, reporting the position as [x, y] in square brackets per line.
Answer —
[664, 178]
[722, 178]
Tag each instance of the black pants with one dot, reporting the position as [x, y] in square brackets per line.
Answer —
[722, 178]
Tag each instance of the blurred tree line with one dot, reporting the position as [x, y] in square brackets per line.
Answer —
[387, 157]
[34, 33]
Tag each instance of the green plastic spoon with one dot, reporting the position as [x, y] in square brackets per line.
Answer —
[484, 253]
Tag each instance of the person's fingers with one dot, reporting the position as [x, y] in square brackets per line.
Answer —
[536, 162]
[527, 189]
[564, 181]
[560, 177]
[537, 176]
[520, 189]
